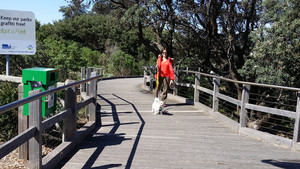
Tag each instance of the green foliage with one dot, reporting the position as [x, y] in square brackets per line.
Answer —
[91, 31]
[8, 120]
[276, 56]
[121, 64]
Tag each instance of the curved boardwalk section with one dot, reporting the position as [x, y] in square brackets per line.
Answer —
[184, 137]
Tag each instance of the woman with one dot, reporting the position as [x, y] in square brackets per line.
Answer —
[165, 75]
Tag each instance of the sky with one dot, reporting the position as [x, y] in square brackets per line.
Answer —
[46, 11]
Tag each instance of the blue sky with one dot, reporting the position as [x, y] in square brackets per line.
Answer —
[46, 11]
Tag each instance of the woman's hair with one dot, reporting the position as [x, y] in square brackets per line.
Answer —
[162, 50]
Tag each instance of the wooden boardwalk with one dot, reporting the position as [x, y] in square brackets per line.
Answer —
[184, 137]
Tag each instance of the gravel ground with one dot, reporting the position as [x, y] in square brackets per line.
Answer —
[12, 161]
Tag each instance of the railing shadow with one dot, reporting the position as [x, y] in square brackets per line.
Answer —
[284, 164]
[103, 140]
[136, 142]
[100, 141]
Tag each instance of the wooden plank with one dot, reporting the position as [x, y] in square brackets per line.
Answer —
[84, 103]
[244, 112]
[83, 77]
[190, 85]
[35, 120]
[279, 112]
[205, 90]
[196, 91]
[22, 126]
[13, 79]
[229, 99]
[88, 75]
[83, 132]
[215, 92]
[60, 152]
[15, 142]
[266, 136]
[56, 118]
[69, 130]
[132, 137]
[92, 106]
[176, 74]
[296, 137]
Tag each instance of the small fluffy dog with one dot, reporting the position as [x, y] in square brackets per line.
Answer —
[156, 106]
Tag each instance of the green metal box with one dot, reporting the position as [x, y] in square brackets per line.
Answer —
[40, 78]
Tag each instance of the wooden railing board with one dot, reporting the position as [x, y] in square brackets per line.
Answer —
[243, 103]
[33, 134]
[284, 113]
[17, 141]
[229, 99]
[55, 119]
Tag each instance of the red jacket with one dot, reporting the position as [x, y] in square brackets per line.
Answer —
[165, 70]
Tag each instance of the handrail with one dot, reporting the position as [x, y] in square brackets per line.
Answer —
[18, 103]
[235, 81]
[243, 82]
[38, 126]
[242, 104]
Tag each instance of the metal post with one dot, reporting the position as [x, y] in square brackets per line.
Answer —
[7, 65]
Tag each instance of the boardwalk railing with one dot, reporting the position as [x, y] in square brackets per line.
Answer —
[253, 112]
[71, 136]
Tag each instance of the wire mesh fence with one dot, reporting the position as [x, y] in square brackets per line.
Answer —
[205, 98]
[275, 98]
[188, 79]
[272, 123]
[229, 110]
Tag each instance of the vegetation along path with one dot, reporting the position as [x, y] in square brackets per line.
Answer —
[183, 137]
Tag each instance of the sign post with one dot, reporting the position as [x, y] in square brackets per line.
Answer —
[17, 34]
[7, 65]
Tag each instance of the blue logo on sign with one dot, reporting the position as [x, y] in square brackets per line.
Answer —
[6, 46]
[30, 47]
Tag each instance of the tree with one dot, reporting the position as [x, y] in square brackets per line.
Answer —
[74, 9]
[8, 120]
[153, 15]
[275, 58]
[121, 64]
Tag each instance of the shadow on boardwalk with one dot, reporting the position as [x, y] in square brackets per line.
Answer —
[102, 140]
[284, 164]
[183, 137]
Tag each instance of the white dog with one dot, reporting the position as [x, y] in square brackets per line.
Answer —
[156, 106]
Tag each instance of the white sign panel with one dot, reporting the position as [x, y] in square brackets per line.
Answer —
[17, 32]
